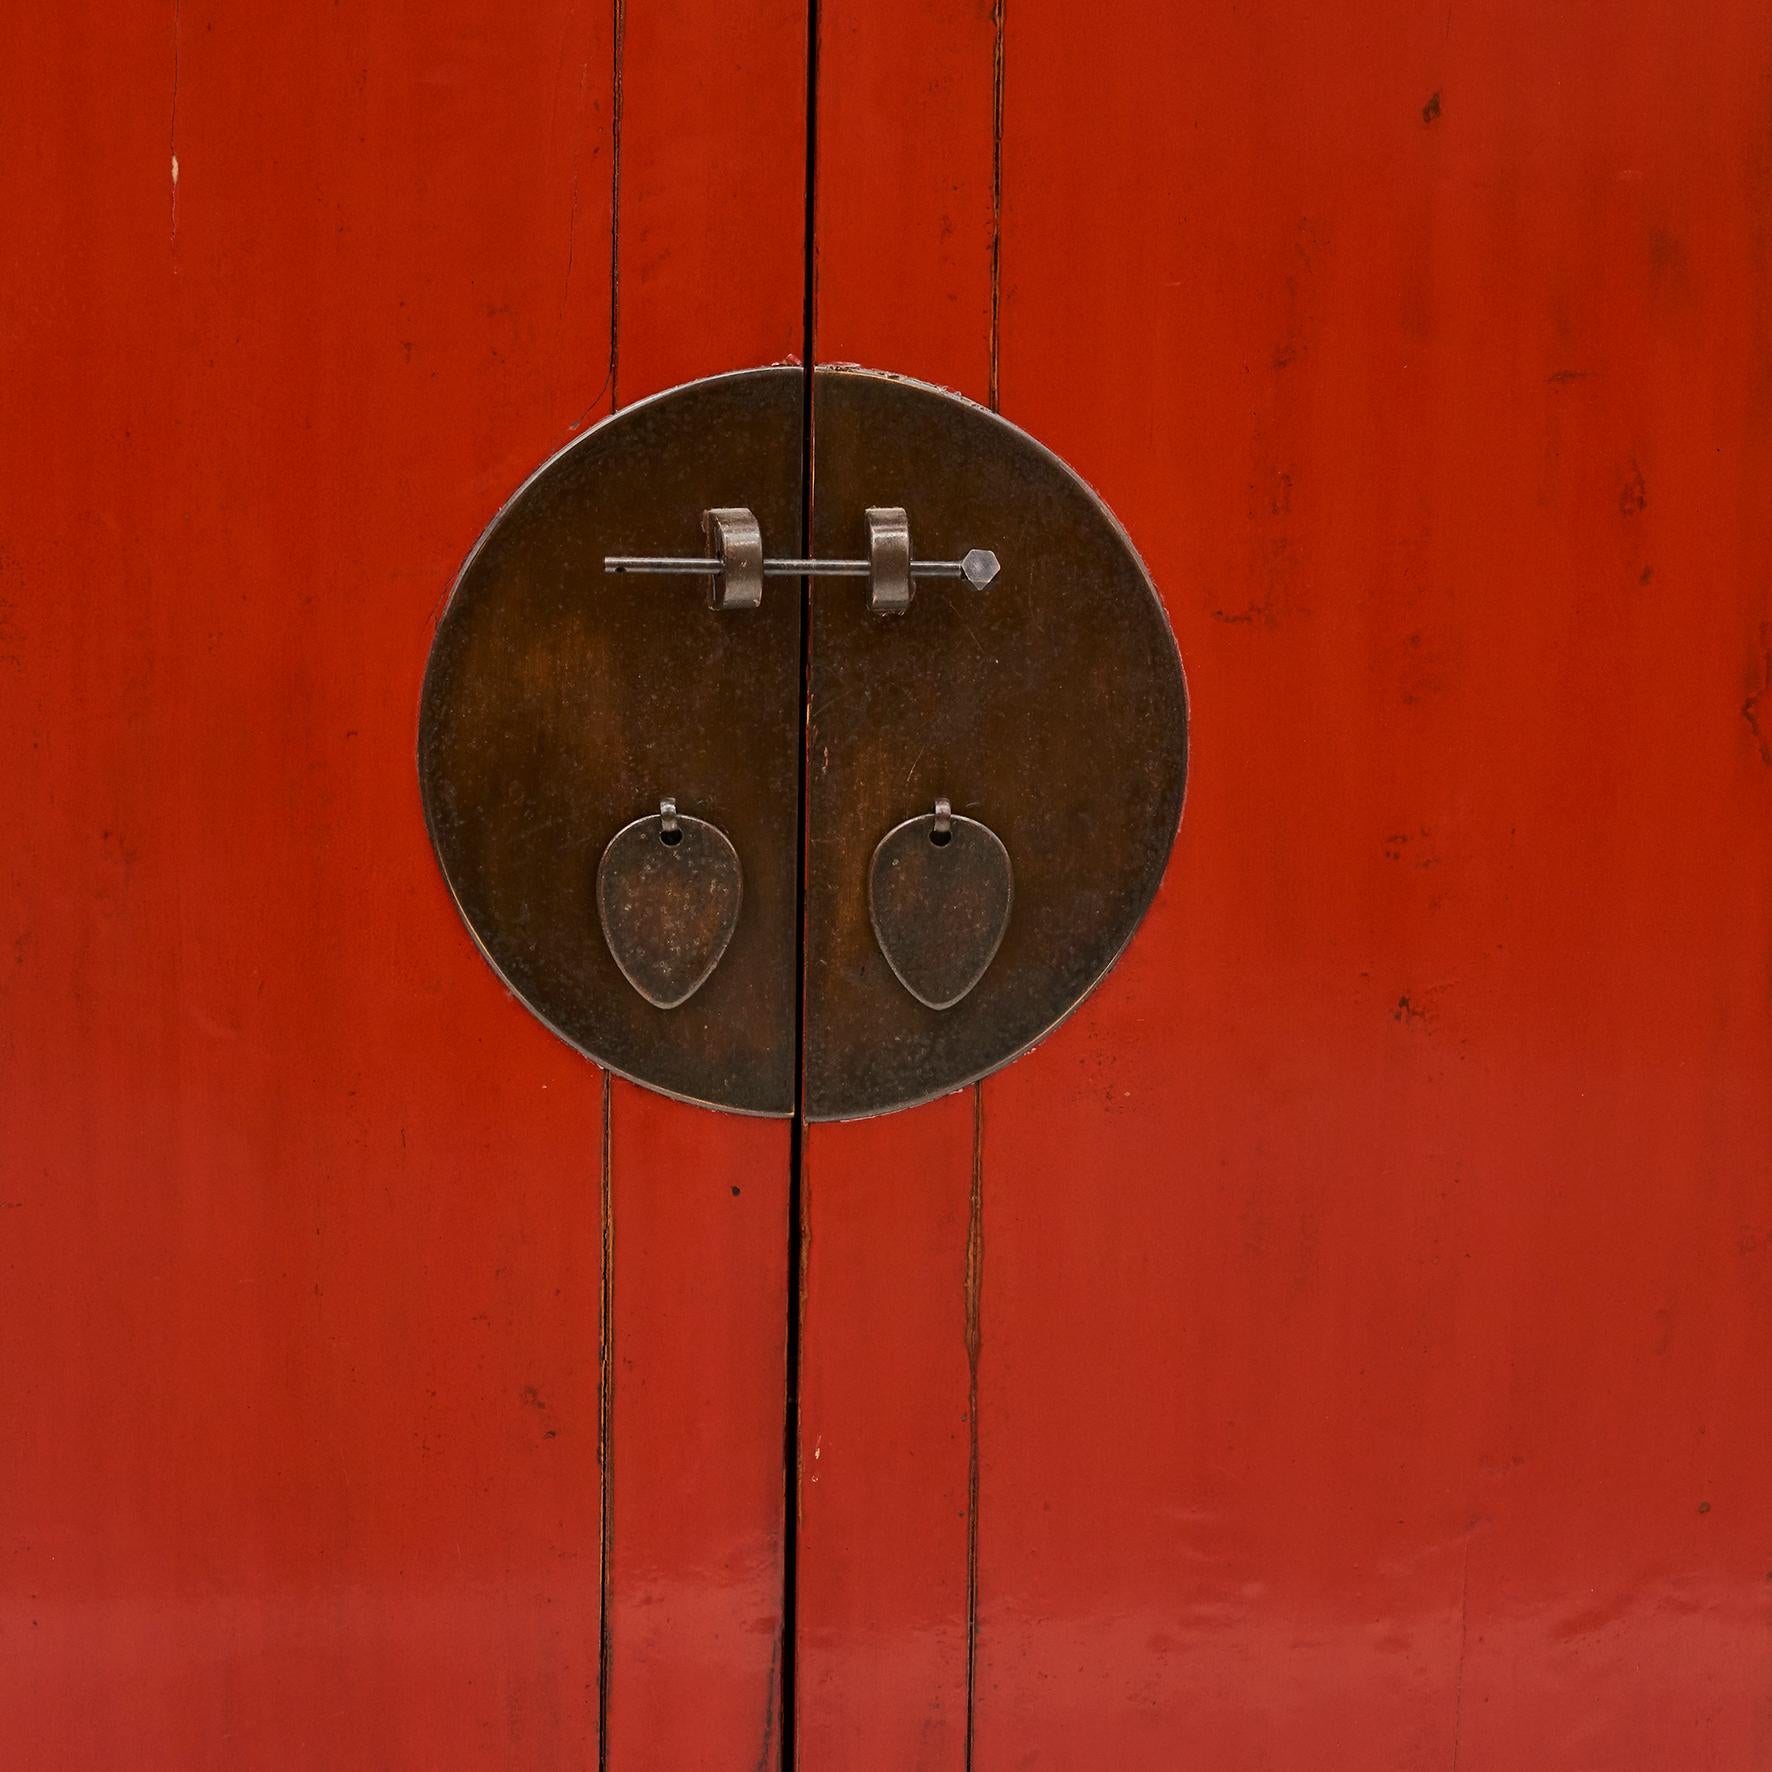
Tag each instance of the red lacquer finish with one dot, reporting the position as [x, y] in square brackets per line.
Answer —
[1372, 1350]
[697, 1487]
[1341, 1345]
[300, 1223]
[884, 1441]
[711, 250]
[885, 1426]
[300, 1233]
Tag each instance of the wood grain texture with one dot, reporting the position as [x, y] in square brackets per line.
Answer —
[902, 281]
[1370, 1339]
[301, 1221]
[697, 1490]
[884, 1439]
[300, 1242]
[711, 250]
[1370, 1323]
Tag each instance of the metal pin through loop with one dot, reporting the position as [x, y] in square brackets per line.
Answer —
[736, 568]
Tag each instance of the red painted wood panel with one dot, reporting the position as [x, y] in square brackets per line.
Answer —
[697, 1497]
[300, 1233]
[711, 277]
[300, 1236]
[905, 155]
[884, 1441]
[1372, 1337]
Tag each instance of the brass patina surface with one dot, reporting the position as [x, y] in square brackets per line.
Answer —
[1049, 704]
[940, 892]
[669, 890]
[563, 702]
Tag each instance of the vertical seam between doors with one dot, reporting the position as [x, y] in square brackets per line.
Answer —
[798, 1221]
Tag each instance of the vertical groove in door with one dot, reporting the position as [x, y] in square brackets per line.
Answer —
[796, 1215]
[975, 1227]
[998, 21]
[885, 1539]
[615, 107]
[974, 1301]
[697, 1577]
[606, 1191]
[605, 1428]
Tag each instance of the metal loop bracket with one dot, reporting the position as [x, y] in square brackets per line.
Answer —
[735, 574]
[890, 587]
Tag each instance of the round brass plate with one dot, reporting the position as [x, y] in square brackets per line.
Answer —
[563, 703]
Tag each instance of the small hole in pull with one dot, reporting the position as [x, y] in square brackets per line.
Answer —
[672, 837]
[940, 838]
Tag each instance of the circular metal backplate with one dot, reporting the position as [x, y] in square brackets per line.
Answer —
[562, 704]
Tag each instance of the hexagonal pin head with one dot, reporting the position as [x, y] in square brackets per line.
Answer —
[979, 568]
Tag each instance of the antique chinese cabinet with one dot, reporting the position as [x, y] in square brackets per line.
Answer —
[886, 886]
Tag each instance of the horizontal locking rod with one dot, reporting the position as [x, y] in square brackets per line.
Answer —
[735, 568]
[978, 568]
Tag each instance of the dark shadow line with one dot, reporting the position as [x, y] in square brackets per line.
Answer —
[606, 1201]
[974, 1299]
[797, 1189]
[975, 1218]
[615, 117]
[605, 1425]
[1000, 22]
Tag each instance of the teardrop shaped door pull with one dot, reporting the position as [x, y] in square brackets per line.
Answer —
[669, 889]
[940, 892]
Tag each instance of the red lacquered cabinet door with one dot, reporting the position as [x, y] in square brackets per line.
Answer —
[383, 1387]
[1342, 1345]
